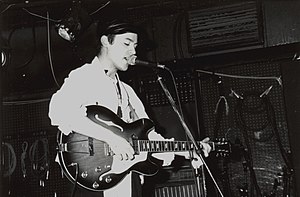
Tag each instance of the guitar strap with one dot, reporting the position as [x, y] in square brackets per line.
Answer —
[132, 114]
[118, 89]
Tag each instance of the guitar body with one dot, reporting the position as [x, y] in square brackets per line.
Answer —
[90, 163]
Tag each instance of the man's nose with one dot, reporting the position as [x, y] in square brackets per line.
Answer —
[132, 50]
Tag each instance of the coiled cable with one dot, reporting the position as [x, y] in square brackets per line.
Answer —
[39, 158]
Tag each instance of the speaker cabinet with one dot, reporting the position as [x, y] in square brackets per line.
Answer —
[291, 86]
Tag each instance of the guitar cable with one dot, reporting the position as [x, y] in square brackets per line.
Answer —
[23, 157]
[39, 157]
[11, 162]
[58, 135]
[76, 177]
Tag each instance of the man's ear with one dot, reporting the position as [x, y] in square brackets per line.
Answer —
[104, 40]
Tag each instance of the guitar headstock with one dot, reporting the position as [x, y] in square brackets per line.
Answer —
[221, 147]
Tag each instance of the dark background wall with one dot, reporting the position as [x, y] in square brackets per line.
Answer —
[168, 28]
[244, 38]
[291, 90]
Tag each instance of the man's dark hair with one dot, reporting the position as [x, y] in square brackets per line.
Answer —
[114, 27]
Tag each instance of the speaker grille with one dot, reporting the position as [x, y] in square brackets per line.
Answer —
[155, 95]
[225, 27]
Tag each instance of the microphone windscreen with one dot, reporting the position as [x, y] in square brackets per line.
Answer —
[131, 60]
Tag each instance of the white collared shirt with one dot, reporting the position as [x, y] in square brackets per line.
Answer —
[89, 85]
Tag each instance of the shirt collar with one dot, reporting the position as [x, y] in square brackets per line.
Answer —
[100, 68]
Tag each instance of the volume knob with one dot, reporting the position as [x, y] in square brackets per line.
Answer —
[95, 185]
[108, 179]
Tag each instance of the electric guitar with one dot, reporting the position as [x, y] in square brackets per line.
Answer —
[90, 163]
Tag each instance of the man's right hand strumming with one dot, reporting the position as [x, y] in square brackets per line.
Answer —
[121, 147]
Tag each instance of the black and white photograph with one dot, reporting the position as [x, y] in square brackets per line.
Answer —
[150, 98]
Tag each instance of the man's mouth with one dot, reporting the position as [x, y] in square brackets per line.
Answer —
[130, 60]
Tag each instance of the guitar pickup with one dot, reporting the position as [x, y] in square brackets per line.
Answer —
[62, 147]
[82, 146]
[107, 150]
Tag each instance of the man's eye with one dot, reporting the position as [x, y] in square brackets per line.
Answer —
[127, 44]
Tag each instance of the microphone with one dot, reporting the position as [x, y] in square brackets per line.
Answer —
[134, 61]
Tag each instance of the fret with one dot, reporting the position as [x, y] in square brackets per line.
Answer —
[135, 145]
[152, 146]
[188, 145]
[149, 146]
[143, 145]
[157, 146]
[166, 146]
[184, 146]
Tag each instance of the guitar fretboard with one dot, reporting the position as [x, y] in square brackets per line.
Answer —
[162, 146]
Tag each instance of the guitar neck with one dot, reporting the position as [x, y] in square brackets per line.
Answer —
[165, 146]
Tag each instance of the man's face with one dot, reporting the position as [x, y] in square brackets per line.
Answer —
[121, 49]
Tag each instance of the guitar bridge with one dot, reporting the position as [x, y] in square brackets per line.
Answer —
[91, 146]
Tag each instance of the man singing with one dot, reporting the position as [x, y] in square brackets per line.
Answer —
[98, 83]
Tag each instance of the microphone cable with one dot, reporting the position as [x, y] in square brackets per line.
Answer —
[187, 133]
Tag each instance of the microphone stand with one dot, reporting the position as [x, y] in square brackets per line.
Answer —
[188, 132]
